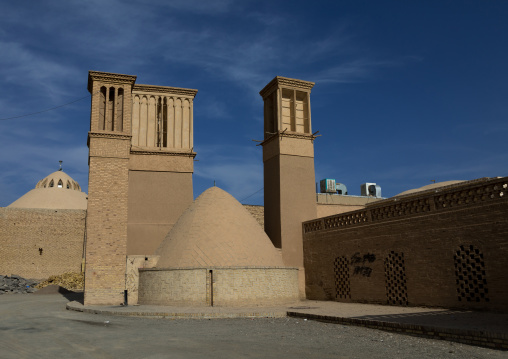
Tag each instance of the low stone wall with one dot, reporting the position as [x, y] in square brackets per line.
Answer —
[134, 263]
[222, 287]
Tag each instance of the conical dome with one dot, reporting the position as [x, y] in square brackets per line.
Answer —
[217, 231]
[56, 191]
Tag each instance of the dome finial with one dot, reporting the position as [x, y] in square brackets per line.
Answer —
[60, 165]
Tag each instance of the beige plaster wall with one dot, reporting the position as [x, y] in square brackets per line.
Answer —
[324, 210]
[59, 233]
[289, 184]
[156, 201]
[330, 204]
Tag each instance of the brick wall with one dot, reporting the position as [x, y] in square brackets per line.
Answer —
[37, 243]
[222, 287]
[433, 249]
[134, 263]
[107, 220]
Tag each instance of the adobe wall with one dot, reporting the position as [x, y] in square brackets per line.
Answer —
[155, 202]
[221, 287]
[429, 250]
[330, 204]
[58, 233]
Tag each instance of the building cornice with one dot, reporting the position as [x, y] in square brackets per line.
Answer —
[139, 89]
[110, 135]
[161, 152]
[109, 77]
[286, 82]
[288, 134]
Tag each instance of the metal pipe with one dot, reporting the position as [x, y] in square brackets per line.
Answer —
[211, 287]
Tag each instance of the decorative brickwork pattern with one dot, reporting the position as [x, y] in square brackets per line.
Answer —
[395, 273]
[313, 226]
[470, 273]
[401, 209]
[486, 190]
[342, 281]
[345, 220]
[489, 192]
[429, 241]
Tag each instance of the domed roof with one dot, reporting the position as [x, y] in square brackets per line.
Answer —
[56, 191]
[217, 231]
[429, 186]
[58, 179]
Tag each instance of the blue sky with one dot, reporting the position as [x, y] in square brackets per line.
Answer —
[406, 91]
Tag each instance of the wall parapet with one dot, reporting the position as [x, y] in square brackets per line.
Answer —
[436, 201]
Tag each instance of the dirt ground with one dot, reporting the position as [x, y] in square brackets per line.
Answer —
[40, 326]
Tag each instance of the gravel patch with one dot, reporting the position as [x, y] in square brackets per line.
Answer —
[16, 285]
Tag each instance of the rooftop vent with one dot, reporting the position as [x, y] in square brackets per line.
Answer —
[327, 185]
[371, 190]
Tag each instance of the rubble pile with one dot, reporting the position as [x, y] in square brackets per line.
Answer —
[71, 281]
[16, 284]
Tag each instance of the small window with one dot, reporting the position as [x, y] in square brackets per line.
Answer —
[68, 185]
[60, 184]
[51, 184]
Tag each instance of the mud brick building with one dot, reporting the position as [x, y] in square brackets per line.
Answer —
[141, 231]
[443, 247]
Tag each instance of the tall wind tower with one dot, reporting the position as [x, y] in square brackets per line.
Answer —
[288, 158]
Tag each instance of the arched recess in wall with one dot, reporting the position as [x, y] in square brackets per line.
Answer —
[185, 123]
[119, 110]
[110, 113]
[151, 130]
[164, 119]
[135, 121]
[102, 108]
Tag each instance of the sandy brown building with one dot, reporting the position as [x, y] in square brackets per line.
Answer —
[439, 245]
[43, 232]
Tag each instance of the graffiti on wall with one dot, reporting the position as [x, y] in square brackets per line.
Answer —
[360, 263]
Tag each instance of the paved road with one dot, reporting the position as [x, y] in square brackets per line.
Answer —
[39, 326]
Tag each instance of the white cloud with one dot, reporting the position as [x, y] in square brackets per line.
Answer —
[20, 65]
